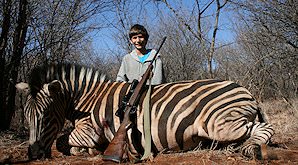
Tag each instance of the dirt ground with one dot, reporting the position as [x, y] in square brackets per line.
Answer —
[13, 147]
[13, 150]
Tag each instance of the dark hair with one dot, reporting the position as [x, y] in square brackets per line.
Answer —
[138, 29]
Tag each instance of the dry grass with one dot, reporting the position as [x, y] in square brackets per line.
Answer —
[283, 116]
[12, 146]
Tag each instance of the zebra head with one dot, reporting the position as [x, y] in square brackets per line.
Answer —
[44, 113]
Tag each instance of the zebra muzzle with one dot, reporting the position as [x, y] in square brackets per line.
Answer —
[35, 151]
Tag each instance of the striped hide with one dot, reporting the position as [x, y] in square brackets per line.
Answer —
[183, 114]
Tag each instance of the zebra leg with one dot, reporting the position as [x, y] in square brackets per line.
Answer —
[260, 134]
[62, 145]
[237, 128]
[84, 137]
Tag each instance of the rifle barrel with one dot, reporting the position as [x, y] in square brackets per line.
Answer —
[162, 42]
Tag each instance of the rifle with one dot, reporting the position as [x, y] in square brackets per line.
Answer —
[116, 148]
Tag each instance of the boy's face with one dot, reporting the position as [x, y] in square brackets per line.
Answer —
[139, 41]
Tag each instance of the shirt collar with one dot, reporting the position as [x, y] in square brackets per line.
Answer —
[136, 57]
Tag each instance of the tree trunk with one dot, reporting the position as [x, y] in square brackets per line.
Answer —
[212, 46]
[3, 75]
[12, 69]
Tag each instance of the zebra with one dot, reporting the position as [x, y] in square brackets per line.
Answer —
[183, 114]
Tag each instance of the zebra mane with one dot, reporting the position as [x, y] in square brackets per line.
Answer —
[46, 73]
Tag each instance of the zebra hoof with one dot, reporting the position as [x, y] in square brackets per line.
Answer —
[264, 152]
[77, 151]
[62, 145]
[252, 151]
[93, 152]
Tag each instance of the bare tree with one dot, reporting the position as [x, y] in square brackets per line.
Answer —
[268, 35]
[191, 45]
[202, 9]
[11, 61]
[59, 28]
[34, 32]
[5, 25]
[181, 57]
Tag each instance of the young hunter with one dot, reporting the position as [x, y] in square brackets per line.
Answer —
[134, 64]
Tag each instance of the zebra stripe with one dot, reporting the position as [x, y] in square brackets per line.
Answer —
[180, 111]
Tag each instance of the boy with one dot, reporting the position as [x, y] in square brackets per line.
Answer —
[134, 64]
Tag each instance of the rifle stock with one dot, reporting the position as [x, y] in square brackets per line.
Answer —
[116, 148]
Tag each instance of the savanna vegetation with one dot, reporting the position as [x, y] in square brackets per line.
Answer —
[252, 42]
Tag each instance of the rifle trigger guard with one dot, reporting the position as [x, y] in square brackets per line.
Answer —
[133, 110]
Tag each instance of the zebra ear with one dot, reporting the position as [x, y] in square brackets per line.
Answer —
[54, 87]
[24, 87]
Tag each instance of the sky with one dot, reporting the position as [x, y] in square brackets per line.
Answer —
[103, 40]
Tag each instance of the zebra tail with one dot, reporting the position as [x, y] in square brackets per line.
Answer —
[263, 118]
